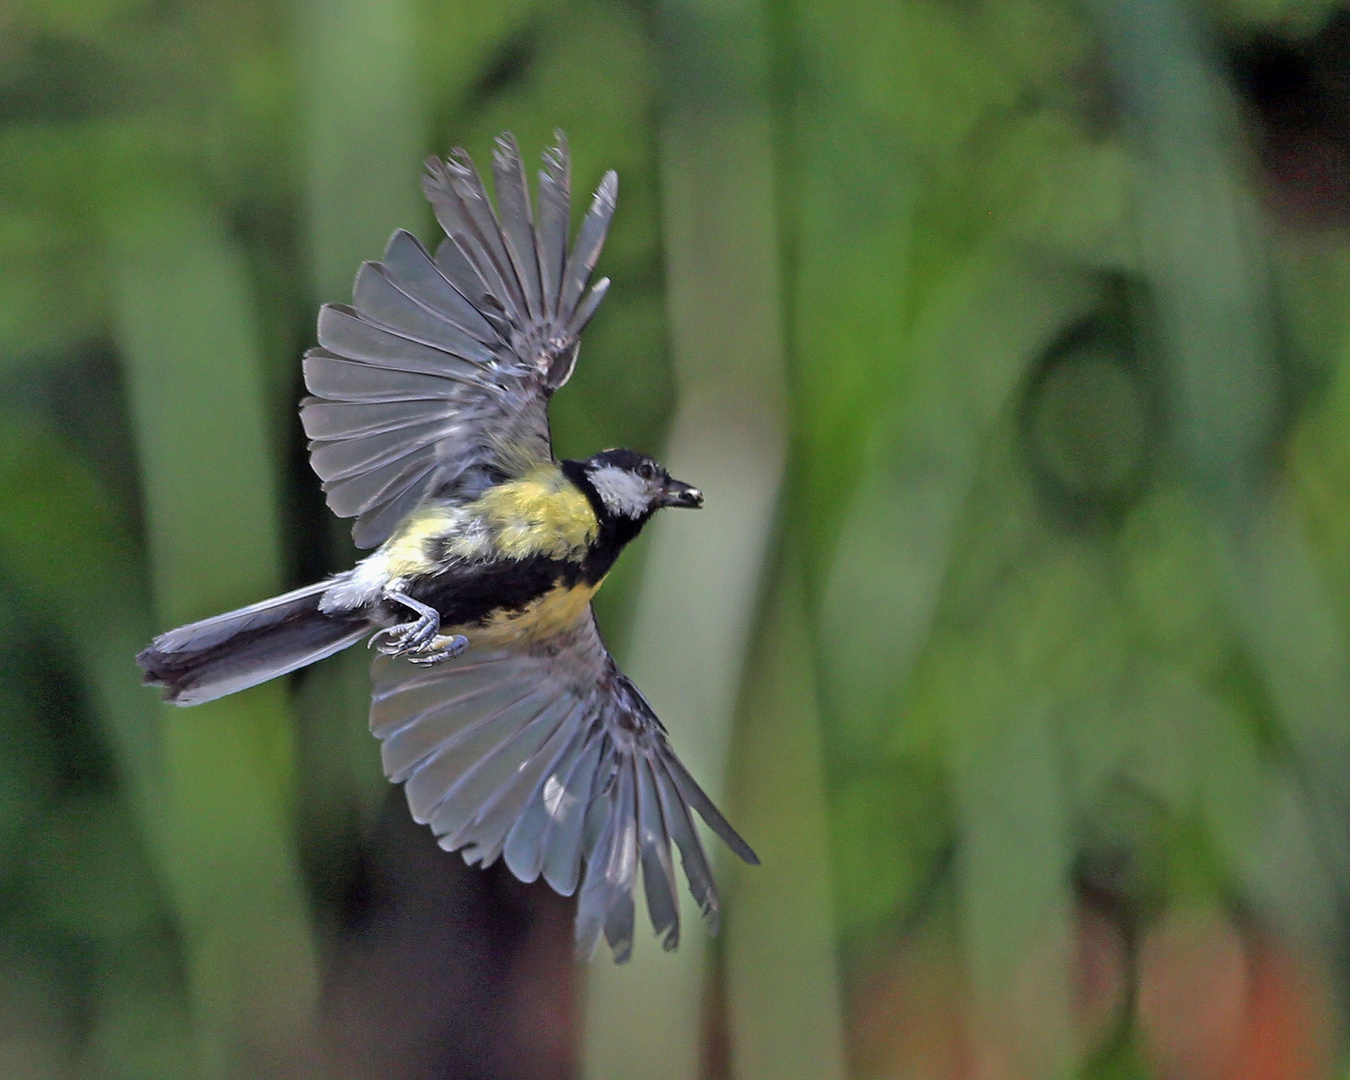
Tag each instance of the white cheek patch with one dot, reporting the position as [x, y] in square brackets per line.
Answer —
[621, 491]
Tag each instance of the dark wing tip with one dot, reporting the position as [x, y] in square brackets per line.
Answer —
[696, 797]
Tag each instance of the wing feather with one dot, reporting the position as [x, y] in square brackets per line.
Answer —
[567, 831]
[343, 381]
[346, 333]
[368, 493]
[347, 458]
[441, 724]
[524, 848]
[547, 754]
[377, 296]
[587, 308]
[475, 339]
[452, 262]
[456, 819]
[380, 517]
[456, 194]
[693, 859]
[555, 206]
[695, 796]
[411, 266]
[501, 809]
[331, 420]
[590, 239]
[658, 873]
[435, 779]
[605, 903]
[513, 196]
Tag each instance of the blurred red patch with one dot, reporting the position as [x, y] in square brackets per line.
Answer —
[1214, 1004]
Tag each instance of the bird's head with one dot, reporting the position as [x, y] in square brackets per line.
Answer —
[631, 486]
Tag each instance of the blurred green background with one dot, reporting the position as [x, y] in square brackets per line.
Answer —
[1009, 340]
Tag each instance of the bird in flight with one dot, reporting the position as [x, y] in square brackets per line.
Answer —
[499, 708]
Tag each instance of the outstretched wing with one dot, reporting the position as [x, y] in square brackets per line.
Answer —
[550, 757]
[440, 370]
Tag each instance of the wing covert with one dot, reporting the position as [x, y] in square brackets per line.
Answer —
[440, 369]
[549, 757]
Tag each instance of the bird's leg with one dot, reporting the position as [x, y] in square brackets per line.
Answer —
[420, 635]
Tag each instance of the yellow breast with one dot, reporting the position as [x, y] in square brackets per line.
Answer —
[539, 514]
[550, 614]
[405, 553]
[542, 513]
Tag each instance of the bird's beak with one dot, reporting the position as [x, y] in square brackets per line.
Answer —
[678, 493]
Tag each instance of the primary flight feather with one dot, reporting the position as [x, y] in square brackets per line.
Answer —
[499, 708]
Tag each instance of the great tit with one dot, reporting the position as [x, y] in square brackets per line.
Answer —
[501, 712]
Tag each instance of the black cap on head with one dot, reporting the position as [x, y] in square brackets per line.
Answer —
[630, 485]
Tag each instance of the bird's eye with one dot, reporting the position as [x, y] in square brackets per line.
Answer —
[647, 471]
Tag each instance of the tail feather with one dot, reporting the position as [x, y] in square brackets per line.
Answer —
[227, 653]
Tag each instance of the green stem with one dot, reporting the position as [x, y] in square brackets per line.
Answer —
[702, 576]
[784, 1007]
[188, 339]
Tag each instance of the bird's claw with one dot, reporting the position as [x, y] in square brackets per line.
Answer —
[441, 647]
[420, 639]
[407, 637]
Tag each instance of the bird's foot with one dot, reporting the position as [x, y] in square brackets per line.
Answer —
[441, 647]
[417, 636]
[405, 637]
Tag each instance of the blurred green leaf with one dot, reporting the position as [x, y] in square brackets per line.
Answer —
[895, 544]
[37, 1016]
[365, 128]
[141, 1028]
[197, 390]
[784, 998]
[703, 573]
[89, 873]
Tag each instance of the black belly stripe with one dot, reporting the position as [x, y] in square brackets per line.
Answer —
[470, 594]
